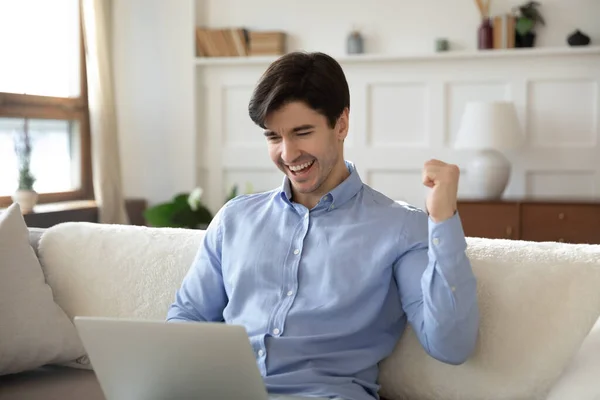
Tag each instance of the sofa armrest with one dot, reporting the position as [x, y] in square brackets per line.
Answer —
[581, 379]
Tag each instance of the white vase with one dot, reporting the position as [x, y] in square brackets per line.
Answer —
[488, 174]
[27, 199]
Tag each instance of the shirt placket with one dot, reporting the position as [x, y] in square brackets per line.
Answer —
[290, 275]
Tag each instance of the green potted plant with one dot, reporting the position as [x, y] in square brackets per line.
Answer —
[25, 195]
[527, 18]
[185, 210]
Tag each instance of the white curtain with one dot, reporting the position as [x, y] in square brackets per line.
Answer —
[105, 144]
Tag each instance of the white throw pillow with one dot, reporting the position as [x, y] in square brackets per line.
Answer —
[34, 330]
[581, 379]
[538, 301]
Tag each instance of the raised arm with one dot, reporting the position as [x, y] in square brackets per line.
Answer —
[438, 289]
[202, 296]
[437, 286]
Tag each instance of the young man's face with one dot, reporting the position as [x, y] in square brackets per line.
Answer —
[305, 148]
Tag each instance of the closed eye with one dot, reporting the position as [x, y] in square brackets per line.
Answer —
[271, 135]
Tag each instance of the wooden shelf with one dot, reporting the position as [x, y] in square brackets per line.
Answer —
[50, 214]
[412, 57]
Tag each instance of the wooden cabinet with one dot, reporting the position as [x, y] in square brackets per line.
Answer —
[490, 220]
[538, 221]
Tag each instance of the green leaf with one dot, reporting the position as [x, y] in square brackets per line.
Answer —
[26, 179]
[186, 217]
[232, 194]
[181, 200]
[524, 26]
[160, 215]
[178, 214]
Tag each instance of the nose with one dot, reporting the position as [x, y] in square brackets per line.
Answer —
[289, 151]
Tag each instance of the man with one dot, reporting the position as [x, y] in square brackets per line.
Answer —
[325, 272]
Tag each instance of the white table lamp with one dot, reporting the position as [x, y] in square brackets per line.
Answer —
[489, 127]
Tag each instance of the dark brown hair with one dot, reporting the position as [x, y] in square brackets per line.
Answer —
[313, 78]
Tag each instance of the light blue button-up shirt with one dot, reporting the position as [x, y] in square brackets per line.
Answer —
[325, 294]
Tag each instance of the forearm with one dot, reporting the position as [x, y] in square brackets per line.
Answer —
[183, 309]
[202, 296]
[450, 313]
[439, 291]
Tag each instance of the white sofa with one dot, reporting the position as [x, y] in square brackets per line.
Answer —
[539, 302]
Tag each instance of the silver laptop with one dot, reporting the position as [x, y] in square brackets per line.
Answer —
[156, 360]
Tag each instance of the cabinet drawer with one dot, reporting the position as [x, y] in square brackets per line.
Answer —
[490, 220]
[570, 223]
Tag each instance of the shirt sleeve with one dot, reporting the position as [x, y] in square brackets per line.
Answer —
[437, 287]
[202, 295]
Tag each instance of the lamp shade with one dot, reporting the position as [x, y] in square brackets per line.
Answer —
[489, 125]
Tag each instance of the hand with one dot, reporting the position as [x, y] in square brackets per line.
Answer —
[442, 178]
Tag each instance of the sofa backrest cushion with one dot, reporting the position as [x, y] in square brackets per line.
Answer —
[538, 302]
[35, 234]
[116, 270]
[34, 330]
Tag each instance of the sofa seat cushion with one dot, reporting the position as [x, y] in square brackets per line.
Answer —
[538, 302]
[51, 383]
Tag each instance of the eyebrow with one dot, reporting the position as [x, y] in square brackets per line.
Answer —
[296, 129]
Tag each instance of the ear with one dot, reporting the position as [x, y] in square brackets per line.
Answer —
[342, 125]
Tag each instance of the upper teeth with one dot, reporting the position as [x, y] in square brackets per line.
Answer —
[297, 168]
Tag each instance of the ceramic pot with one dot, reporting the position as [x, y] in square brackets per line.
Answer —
[355, 43]
[27, 199]
[578, 38]
[527, 40]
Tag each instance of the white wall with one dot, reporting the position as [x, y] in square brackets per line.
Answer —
[390, 26]
[153, 52]
[390, 152]
[155, 78]
[406, 110]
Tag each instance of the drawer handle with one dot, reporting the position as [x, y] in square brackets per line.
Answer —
[508, 231]
[561, 216]
[561, 240]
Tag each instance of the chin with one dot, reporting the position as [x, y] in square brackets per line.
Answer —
[307, 186]
[305, 189]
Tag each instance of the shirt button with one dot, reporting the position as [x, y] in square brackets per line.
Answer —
[296, 251]
[306, 216]
[275, 331]
[290, 293]
[261, 353]
[436, 241]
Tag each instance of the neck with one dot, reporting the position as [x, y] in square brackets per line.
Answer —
[338, 175]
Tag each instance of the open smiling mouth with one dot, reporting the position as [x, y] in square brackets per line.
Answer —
[302, 169]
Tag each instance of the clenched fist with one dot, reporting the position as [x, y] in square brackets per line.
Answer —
[442, 178]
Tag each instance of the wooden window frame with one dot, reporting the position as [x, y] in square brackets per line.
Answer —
[13, 105]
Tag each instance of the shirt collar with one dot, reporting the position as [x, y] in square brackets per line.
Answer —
[338, 195]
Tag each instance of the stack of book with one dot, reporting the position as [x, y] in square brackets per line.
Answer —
[230, 42]
[238, 42]
[504, 30]
[267, 43]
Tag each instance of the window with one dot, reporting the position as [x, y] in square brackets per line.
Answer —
[43, 96]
